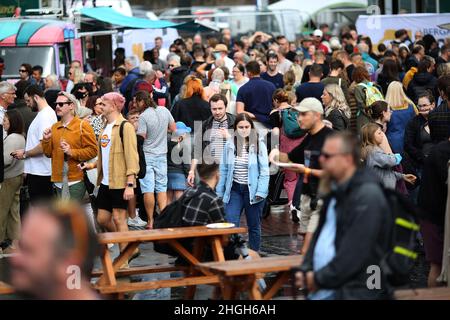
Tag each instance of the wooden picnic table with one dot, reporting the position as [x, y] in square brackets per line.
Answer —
[108, 284]
[242, 275]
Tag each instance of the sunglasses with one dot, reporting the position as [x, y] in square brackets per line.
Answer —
[70, 73]
[171, 66]
[22, 70]
[61, 104]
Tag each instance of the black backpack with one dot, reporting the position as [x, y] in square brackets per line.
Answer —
[140, 144]
[171, 217]
[401, 257]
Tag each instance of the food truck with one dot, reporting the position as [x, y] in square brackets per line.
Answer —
[51, 44]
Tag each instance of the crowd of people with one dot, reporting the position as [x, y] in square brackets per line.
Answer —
[212, 117]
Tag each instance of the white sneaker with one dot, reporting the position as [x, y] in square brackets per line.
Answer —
[139, 221]
[136, 222]
[131, 223]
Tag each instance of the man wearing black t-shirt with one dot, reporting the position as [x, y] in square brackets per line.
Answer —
[305, 160]
[314, 87]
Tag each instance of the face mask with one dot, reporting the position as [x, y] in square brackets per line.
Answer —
[217, 55]
[80, 95]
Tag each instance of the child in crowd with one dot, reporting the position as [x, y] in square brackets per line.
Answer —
[380, 160]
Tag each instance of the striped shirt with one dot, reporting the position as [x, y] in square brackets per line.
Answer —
[216, 139]
[240, 174]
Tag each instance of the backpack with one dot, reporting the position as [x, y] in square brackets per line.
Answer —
[135, 85]
[401, 257]
[140, 142]
[171, 217]
[373, 94]
[290, 124]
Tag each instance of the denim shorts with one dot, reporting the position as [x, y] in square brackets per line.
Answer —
[155, 179]
[176, 181]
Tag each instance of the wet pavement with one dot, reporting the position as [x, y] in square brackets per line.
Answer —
[279, 237]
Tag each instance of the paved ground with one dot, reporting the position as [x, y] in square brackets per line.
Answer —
[279, 237]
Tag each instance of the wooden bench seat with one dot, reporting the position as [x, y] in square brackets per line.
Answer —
[423, 294]
[122, 287]
[5, 288]
[142, 270]
[242, 275]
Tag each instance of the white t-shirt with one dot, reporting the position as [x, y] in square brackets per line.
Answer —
[230, 65]
[163, 52]
[105, 142]
[40, 165]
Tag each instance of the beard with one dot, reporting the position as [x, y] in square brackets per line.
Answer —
[34, 107]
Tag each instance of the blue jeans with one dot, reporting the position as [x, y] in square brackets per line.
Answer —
[239, 199]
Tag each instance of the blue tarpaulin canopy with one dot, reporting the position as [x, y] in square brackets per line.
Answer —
[110, 16]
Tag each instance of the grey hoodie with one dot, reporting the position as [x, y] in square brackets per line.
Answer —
[382, 164]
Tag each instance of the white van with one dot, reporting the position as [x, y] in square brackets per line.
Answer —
[122, 6]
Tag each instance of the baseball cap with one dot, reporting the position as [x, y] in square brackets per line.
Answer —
[318, 33]
[221, 48]
[309, 104]
[182, 128]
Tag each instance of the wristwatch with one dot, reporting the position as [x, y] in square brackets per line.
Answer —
[130, 185]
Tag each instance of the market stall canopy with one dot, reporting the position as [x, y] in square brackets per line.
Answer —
[112, 19]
